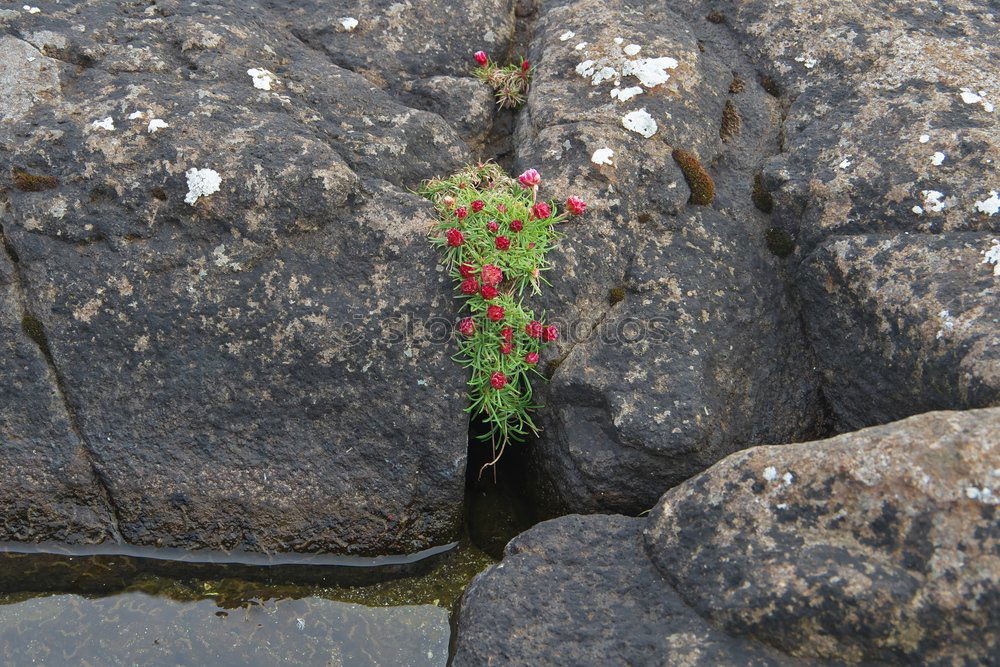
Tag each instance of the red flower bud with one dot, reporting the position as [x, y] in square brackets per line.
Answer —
[531, 357]
[506, 348]
[467, 327]
[461, 212]
[489, 292]
[516, 225]
[576, 205]
[502, 208]
[477, 206]
[532, 245]
[455, 237]
[550, 333]
[481, 58]
[467, 270]
[498, 380]
[503, 243]
[541, 210]
[495, 313]
[525, 66]
[507, 334]
[470, 286]
[492, 226]
[533, 329]
[491, 275]
[448, 201]
[530, 178]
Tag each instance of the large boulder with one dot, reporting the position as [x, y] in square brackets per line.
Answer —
[580, 590]
[680, 344]
[903, 325]
[877, 545]
[230, 280]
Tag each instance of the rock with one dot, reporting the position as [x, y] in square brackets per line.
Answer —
[236, 297]
[680, 344]
[879, 545]
[580, 590]
[36, 78]
[903, 325]
[466, 103]
[873, 96]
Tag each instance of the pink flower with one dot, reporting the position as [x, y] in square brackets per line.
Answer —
[489, 292]
[461, 212]
[550, 333]
[533, 329]
[467, 327]
[467, 270]
[576, 205]
[498, 380]
[541, 210]
[448, 201]
[507, 334]
[530, 178]
[492, 226]
[502, 208]
[491, 275]
[531, 357]
[503, 243]
[481, 58]
[455, 237]
[516, 225]
[470, 286]
[495, 313]
[478, 205]
[506, 348]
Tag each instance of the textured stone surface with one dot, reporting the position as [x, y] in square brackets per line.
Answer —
[876, 545]
[579, 590]
[247, 369]
[700, 354]
[903, 325]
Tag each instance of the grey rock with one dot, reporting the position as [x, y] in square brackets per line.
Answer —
[250, 368]
[877, 545]
[700, 354]
[579, 590]
[903, 325]
[466, 103]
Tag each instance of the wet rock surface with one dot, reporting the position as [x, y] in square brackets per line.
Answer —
[580, 590]
[680, 342]
[210, 235]
[903, 325]
[874, 546]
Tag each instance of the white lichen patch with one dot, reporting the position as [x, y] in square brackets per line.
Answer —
[918, 209]
[983, 495]
[625, 94]
[809, 63]
[586, 68]
[924, 138]
[262, 78]
[640, 122]
[136, 114]
[933, 200]
[201, 183]
[348, 23]
[104, 124]
[969, 96]
[632, 49]
[156, 124]
[947, 324]
[990, 205]
[602, 156]
[30, 9]
[569, 34]
[992, 256]
[651, 72]
[605, 73]
[788, 478]
[581, 46]
[937, 159]
[770, 473]
[845, 163]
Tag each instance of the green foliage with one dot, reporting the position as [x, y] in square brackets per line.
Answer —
[509, 83]
[481, 347]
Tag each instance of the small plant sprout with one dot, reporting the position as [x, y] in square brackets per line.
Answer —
[494, 233]
[509, 83]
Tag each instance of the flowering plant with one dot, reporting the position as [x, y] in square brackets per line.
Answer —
[509, 83]
[495, 232]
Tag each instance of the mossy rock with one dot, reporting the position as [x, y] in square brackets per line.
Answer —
[701, 183]
[779, 242]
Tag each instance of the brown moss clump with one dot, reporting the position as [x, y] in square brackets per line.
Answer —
[616, 295]
[28, 182]
[716, 17]
[770, 86]
[762, 199]
[737, 85]
[701, 184]
[779, 242]
[731, 122]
